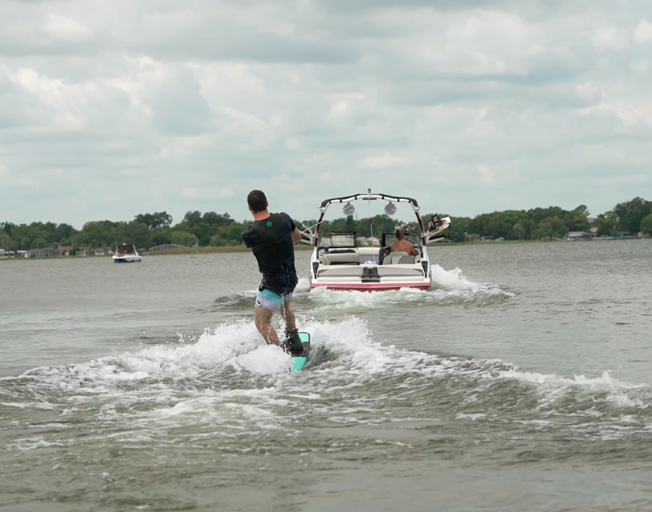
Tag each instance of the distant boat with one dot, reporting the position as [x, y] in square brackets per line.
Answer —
[126, 254]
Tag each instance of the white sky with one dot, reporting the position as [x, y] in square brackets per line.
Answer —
[117, 107]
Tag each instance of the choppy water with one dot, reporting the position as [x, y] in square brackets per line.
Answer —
[521, 381]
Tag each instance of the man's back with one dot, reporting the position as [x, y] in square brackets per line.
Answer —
[271, 240]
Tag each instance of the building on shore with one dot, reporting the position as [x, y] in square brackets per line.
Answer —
[46, 252]
[580, 236]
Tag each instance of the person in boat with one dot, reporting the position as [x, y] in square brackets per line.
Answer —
[271, 237]
[402, 244]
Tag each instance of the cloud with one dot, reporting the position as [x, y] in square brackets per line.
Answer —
[65, 29]
[486, 174]
[182, 106]
[610, 38]
[384, 161]
[643, 32]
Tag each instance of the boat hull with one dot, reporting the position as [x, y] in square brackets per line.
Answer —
[370, 287]
[127, 259]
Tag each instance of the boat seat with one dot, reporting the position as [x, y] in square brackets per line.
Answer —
[399, 258]
[394, 257]
[340, 279]
[337, 270]
[342, 258]
[403, 270]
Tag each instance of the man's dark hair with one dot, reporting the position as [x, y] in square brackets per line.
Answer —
[257, 200]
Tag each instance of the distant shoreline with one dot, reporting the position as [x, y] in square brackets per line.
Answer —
[303, 248]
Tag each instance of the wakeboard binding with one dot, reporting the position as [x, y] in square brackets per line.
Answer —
[293, 343]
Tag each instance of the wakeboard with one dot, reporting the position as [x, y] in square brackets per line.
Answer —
[297, 362]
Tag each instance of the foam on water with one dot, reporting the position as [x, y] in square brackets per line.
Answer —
[233, 384]
[449, 287]
[303, 285]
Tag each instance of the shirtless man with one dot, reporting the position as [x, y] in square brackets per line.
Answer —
[272, 237]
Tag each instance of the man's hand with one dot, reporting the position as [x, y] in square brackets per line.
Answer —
[296, 236]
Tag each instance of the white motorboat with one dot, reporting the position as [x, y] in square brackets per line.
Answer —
[126, 254]
[338, 263]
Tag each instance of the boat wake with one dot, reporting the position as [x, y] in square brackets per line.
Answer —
[449, 288]
[228, 386]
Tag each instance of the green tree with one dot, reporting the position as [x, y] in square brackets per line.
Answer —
[183, 238]
[520, 230]
[630, 213]
[7, 227]
[498, 224]
[646, 224]
[97, 234]
[6, 241]
[577, 219]
[216, 219]
[633, 219]
[24, 235]
[63, 231]
[155, 220]
[134, 232]
[461, 226]
[160, 236]
[606, 223]
[538, 214]
[203, 233]
[39, 243]
[192, 218]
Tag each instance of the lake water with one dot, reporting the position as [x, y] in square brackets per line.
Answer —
[521, 381]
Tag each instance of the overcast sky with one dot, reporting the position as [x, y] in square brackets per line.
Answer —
[112, 108]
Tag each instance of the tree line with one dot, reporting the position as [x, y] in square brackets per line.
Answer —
[627, 218]
[211, 228]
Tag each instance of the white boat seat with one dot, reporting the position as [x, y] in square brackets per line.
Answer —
[400, 258]
[406, 278]
[340, 279]
[337, 270]
[335, 258]
[394, 258]
[402, 270]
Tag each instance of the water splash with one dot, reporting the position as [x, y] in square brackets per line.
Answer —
[448, 288]
[232, 383]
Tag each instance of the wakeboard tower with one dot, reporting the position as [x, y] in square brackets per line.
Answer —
[298, 354]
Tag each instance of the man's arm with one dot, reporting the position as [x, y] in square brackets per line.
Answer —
[251, 239]
[296, 236]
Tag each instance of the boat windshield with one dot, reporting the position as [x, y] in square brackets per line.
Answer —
[339, 240]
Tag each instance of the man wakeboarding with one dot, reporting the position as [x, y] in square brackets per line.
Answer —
[271, 237]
